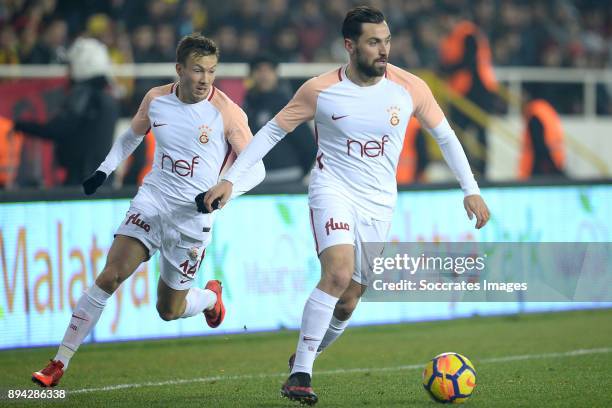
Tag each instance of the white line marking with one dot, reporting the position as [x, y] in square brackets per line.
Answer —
[572, 353]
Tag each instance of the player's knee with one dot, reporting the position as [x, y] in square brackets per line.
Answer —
[339, 279]
[167, 316]
[344, 308]
[166, 313]
[338, 271]
[110, 278]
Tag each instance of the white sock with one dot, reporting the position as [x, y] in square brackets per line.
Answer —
[84, 317]
[317, 314]
[198, 300]
[335, 329]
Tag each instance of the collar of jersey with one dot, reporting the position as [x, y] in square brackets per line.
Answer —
[346, 78]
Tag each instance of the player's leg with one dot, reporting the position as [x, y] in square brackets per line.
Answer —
[342, 313]
[125, 255]
[177, 304]
[180, 260]
[340, 318]
[333, 228]
[370, 237]
[336, 270]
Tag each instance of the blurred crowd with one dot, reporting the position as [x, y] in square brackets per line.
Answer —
[553, 33]
[426, 34]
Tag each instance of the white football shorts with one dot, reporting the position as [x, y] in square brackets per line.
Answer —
[181, 255]
[335, 220]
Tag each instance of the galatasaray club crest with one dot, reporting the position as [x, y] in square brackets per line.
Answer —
[394, 112]
[204, 132]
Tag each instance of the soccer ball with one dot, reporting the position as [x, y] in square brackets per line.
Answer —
[449, 378]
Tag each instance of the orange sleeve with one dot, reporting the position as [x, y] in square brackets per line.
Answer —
[301, 107]
[426, 109]
[140, 122]
[235, 123]
[236, 127]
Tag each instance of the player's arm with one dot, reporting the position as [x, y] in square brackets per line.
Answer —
[239, 135]
[432, 118]
[123, 146]
[300, 109]
[63, 125]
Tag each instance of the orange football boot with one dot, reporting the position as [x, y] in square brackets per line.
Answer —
[50, 375]
[215, 316]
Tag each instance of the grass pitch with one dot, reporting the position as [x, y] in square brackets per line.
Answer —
[541, 360]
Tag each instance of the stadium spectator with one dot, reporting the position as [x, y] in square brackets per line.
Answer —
[11, 143]
[166, 42]
[312, 29]
[580, 27]
[160, 11]
[292, 158]
[466, 59]
[276, 14]
[568, 33]
[249, 46]
[542, 150]
[144, 50]
[9, 53]
[244, 15]
[50, 47]
[286, 44]
[111, 34]
[84, 127]
[228, 40]
[144, 45]
[193, 18]
[404, 55]
[427, 42]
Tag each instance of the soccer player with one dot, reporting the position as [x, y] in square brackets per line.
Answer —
[198, 131]
[361, 111]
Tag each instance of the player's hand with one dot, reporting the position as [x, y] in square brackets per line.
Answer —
[199, 200]
[94, 181]
[475, 206]
[219, 194]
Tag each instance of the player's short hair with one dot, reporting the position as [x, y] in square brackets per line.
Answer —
[351, 27]
[195, 44]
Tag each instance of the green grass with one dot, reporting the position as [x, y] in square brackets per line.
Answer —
[583, 380]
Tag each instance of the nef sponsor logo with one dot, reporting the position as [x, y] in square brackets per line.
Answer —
[183, 168]
[371, 148]
[330, 225]
[135, 219]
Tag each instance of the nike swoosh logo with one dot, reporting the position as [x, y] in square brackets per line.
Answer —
[306, 338]
[78, 317]
[334, 117]
[185, 280]
[155, 124]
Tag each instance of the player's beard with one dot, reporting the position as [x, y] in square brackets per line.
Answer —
[369, 69]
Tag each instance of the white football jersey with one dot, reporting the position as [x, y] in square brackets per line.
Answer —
[194, 143]
[360, 132]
